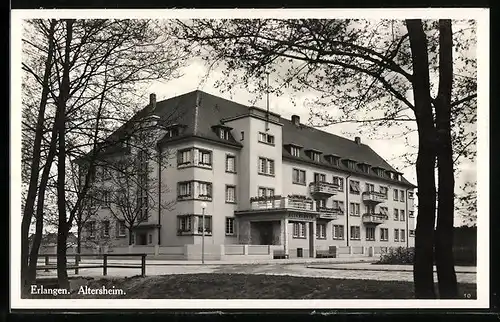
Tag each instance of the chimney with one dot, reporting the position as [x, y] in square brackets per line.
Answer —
[152, 101]
[296, 120]
[357, 140]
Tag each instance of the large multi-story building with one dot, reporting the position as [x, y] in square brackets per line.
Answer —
[266, 180]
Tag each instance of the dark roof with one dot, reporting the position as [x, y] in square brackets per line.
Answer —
[198, 112]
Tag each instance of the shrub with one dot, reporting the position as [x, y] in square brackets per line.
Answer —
[398, 255]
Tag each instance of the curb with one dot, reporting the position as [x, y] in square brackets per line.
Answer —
[376, 270]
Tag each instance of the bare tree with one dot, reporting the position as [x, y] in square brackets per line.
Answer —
[385, 69]
[95, 71]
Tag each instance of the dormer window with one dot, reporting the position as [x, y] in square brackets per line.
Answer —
[223, 134]
[172, 133]
[266, 138]
[379, 171]
[332, 159]
[315, 155]
[351, 164]
[295, 151]
[364, 167]
[222, 131]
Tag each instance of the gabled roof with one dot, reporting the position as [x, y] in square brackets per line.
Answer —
[198, 112]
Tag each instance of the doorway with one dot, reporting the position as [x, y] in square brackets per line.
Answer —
[142, 239]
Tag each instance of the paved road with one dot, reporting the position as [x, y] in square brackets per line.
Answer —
[303, 269]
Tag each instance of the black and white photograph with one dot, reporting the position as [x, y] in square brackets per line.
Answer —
[240, 159]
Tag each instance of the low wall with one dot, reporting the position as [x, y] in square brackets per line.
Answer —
[234, 249]
[357, 250]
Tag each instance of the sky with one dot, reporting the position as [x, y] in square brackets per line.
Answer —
[390, 148]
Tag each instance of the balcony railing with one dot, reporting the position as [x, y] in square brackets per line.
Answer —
[375, 218]
[323, 188]
[278, 202]
[329, 213]
[373, 196]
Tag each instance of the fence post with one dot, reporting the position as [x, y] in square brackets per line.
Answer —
[105, 265]
[77, 260]
[46, 262]
[143, 265]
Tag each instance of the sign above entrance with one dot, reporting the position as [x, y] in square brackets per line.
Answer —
[301, 216]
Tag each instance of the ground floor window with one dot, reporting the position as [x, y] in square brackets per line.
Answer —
[299, 230]
[338, 232]
[208, 224]
[185, 224]
[370, 233]
[150, 239]
[229, 226]
[320, 231]
[396, 234]
[384, 234]
[403, 235]
[355, 233]
[412, 233]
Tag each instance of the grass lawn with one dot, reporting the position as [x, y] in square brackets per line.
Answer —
[241, 286]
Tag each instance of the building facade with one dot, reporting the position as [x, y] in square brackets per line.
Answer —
[253, 177]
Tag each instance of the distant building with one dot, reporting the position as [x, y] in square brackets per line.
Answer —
[267, 181]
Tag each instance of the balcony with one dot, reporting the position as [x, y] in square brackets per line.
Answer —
[329, 213]
[278, 202]
[374, 197]
[375, 218]
[323, 189]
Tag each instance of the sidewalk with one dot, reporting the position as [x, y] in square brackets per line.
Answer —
[360, 266]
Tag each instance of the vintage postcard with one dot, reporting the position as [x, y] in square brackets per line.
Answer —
[249, 159]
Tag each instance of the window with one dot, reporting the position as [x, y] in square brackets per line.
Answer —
[172, 133]
[106, 200]
[410, 194]
[319, 177]
[122, 228]
[333, 160]
[208, 224]
[266, 166]
[351, 164]
[224, 134]
[355, 233]
[266, 192]
[338, 232]
[369, 187]
[396, 234]
[412, 233]
[402, 195]
[299, 230]
[403, 235]
[299, 176]
[354, 209]
[185, 189]
[150, 238]
[315, 156]
[396, 214]
[242, 135]
[266, 138]
[230, 163]
[338, 205]
[204, 190]
[395, 194]
[229, 226]
[339, 181]
[185, 223]
[184, 157]
[91, 228]
[321, 231]
[411, 214]
[230, 194]
[384, 211]
[295, 151]
[364, 167]
[384, 190]
[204, 157]
[384, 234]
[143, 207]
[321, 203]
[402, 215]
[370, 233]
[354, 187]
[369, 209]
[105, 228]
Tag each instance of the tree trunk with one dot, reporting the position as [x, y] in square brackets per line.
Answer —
[130, 237]
[447, 279]
[425, 165]
[62, 231]
[35, 164]
[79, 241]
